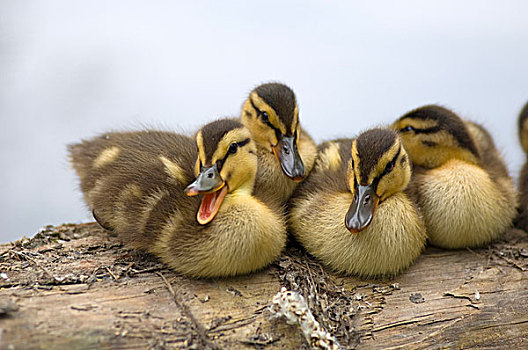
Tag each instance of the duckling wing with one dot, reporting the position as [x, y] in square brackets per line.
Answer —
[492, 162]
[124, 176]
[307, 150]
[329, 171]
[490, 157]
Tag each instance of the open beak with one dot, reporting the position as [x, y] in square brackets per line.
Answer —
[361, 211]
[213, 187]
[289, 158]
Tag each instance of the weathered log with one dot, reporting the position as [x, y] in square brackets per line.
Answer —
[77, 287]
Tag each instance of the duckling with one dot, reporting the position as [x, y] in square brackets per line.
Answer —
[352, 211]
[459, 180]
[286, 152]
[188, 202]
[522, 218]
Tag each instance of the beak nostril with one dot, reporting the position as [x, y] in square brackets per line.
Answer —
[210, 175]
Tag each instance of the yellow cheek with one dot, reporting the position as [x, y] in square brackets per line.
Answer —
[387, 184]
[410, 145]
[396, 126]
[350, 177]
[391, 183]
[224, 174]
[264, 136]
[268, 137]
[380, 190]
[298, 132]
[273, 139]
[197, 167]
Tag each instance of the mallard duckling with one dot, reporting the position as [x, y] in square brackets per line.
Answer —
[460, 182]
[286, 152]
[522, 218]
[352, 212]
[190, 203]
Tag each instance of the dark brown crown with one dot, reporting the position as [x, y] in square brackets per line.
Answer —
[371, 146]
[281, 98]
[213, 132]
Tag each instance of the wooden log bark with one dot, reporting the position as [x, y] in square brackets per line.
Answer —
[78, 287]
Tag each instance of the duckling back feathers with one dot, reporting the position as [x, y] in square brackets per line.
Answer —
[522, 219]
[523, 127]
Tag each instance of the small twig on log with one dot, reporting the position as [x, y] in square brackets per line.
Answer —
[150, 269]
[126, 270]
[260, 341]
[25, 256]
[199, 328]
[111, 273]
[233, 325]
[93, 277]
[512, 263]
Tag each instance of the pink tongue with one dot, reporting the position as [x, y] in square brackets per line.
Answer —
[208, 204]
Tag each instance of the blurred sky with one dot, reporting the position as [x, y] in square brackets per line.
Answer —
[72, 69]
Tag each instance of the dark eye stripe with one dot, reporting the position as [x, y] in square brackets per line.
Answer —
[243, 143]
[387, 171]
[220, 162]
[391, 163]
[278, 133]
[427, 130]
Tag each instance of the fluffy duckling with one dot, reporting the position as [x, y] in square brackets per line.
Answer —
[190, 203]
[286, 152]
[522, 218]
[460, 182]
[352, 212]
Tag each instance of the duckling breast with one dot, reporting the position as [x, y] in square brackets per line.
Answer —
[271, 184]
[393, 240]
[462, 206]
[244, 236]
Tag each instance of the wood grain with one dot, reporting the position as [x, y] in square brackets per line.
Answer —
[77, 286]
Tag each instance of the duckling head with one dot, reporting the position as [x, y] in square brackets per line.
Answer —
[523, 128]
[433, 135]
[226, 164]
[379, 168]
[272, 116]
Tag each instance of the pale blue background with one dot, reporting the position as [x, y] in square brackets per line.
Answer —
[71, 69]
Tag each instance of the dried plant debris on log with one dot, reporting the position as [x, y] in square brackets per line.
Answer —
[511, 250]
[515, 256]
[332, 306]
[38, 262]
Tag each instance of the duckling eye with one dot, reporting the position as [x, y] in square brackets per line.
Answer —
[407, 128]
[232, 148]
[265, 117]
